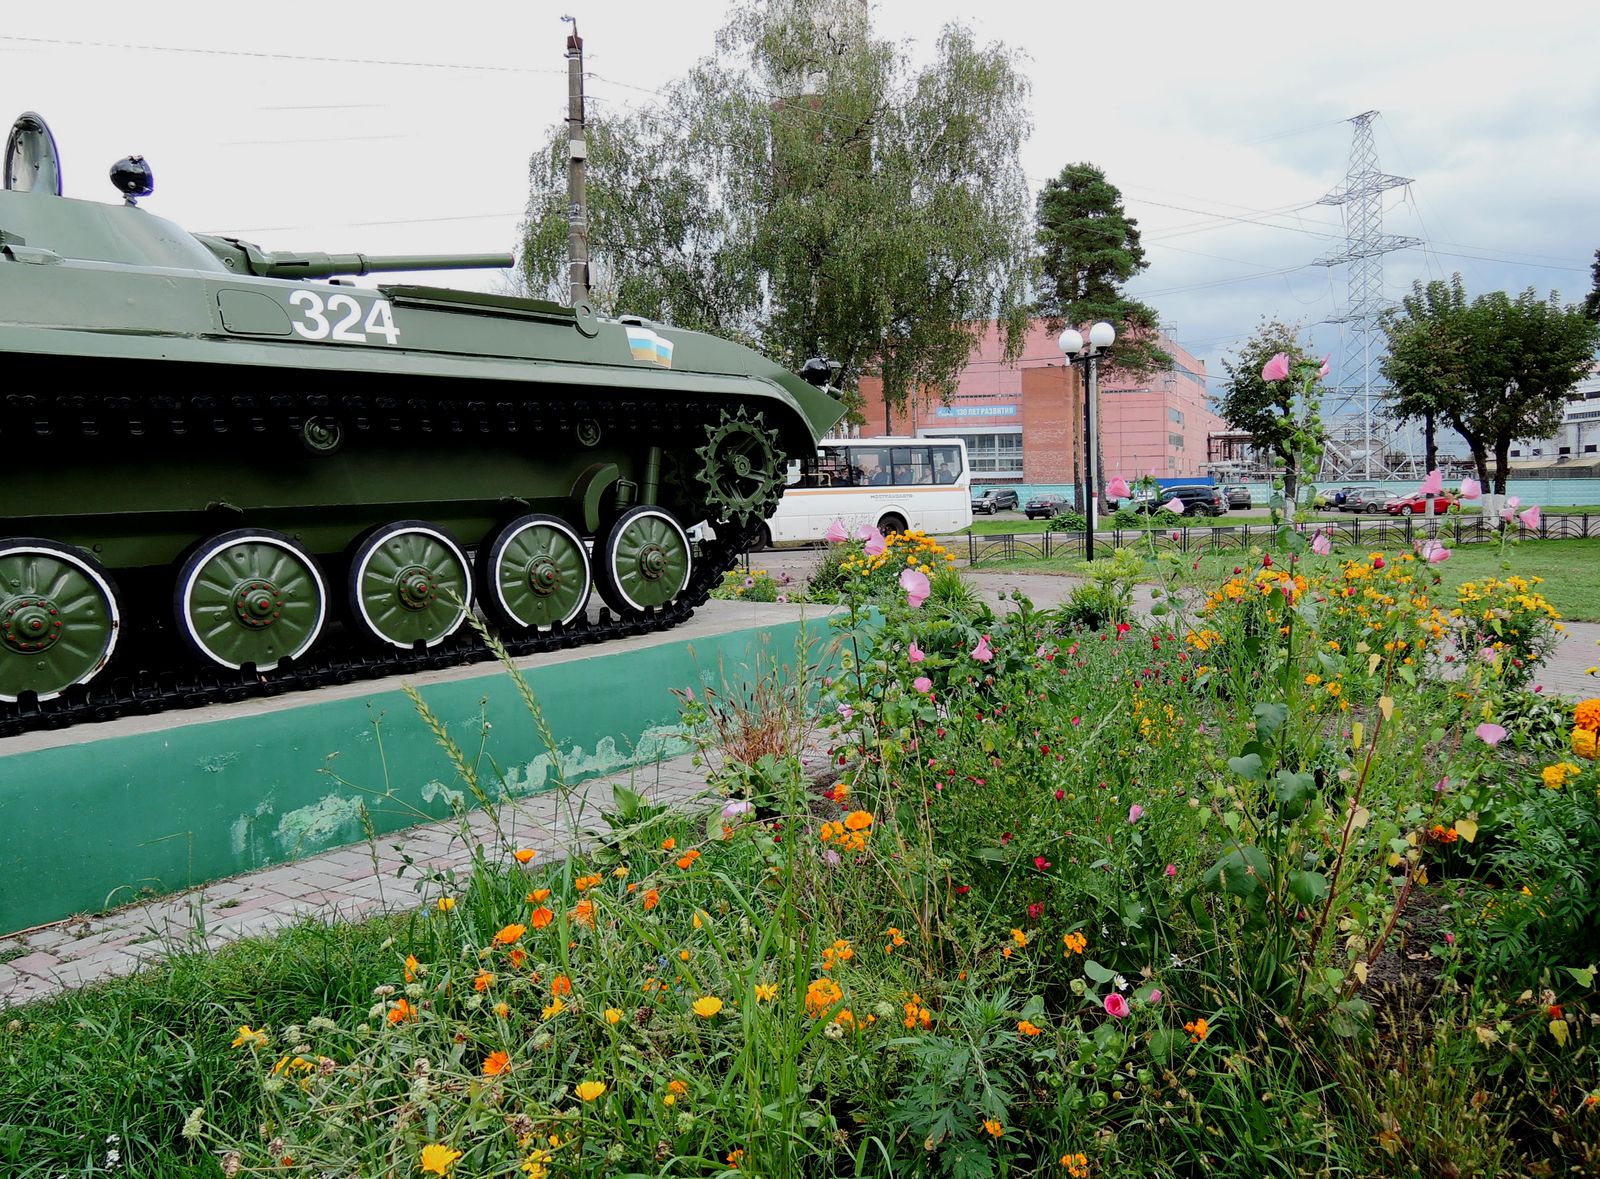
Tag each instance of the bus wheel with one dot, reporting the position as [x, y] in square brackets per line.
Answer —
[891, 524]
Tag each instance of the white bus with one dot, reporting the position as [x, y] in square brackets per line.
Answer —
[897, 484]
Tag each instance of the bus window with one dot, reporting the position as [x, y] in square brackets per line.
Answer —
[946, 464]
[872, 465]
[911, 466]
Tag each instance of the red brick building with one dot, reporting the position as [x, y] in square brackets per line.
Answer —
[1019, 419]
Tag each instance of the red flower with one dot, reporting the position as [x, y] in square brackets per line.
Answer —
[1041, 863]
[1060, 794]
[1267, 561]
[1036, 910]
[963, 889]
[1377, 562]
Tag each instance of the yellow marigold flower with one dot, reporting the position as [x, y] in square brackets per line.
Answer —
[707, 1006]
[766, 992]
[438, 1159]
[591, 1090]
[251, 1037]
[446, 904]
[1555, 776]
[1019, 937]
[677, 1088]
[1583, 743]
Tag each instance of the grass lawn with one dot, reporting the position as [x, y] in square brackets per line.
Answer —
[1569, 569]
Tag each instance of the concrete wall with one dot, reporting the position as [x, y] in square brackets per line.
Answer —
[99, 816]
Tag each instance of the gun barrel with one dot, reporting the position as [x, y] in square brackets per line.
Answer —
[286, 265]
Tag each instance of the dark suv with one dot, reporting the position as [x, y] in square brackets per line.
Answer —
[994, 500]
[1197, 499]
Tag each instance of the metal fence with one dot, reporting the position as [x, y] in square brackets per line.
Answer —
[1357, 532]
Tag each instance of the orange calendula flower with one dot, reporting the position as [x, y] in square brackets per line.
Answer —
[678, 1088]
[401, 1012]
[669, 844]
[1197, 1030]
[516, 957]
[1028, 1027]
[652, 899]
[510, 933]
[583, 913]
[993, 1128]
[524, 854]
[411, 968]
[538, 895]
[821, 995]
[587, 882]
[686, 861]
[1075, 943]
[503, 1010]
[613, 1015]
[561, 985]
[483, 981]
[707, 1006]
[540, 917]
[591, 1090]
[496, 1063]
[438, 1159]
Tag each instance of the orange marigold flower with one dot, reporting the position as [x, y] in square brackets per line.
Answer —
[821, 995]
[411, 968]
[586, 882]
[1587, 715]
[561, 985]
[1197, 1029]
[516, 958]
[678, 1088]
[652, 899]
[540, 917]
[993, 1128]
[496, 1063]
[669, 844]
[510, 933]
[1075, 943]
[524, 854]
[401, 1011]
[1028, 1027]
[686, 861]
[583, 913]
[857, 821]
[538, 895]
[483, 981]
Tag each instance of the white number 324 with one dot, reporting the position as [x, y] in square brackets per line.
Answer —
[339, 318]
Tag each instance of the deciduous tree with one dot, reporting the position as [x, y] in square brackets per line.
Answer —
[1264, 408]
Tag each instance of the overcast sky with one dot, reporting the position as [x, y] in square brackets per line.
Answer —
[403, 127]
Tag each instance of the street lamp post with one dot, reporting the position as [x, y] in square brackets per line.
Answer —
[1101, 336]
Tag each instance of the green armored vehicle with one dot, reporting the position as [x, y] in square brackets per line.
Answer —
[228, 471]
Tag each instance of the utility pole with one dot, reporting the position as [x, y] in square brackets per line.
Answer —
[578, 152]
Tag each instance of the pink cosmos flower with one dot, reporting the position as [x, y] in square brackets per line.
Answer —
[1172, 869]
[1322, 373]
[1471, 488]
[1174, 505]
[915, 654]
[981, 652]
[1433, 484]
[846, 711]
[915, 583]
[837, 533]
[922, 684]
[1322, 546]
[1487, 655]
[1490, 734]
[1116, 1006]
[1277, 368]
[1118, 488]
[1529, 516]
[1134, 812]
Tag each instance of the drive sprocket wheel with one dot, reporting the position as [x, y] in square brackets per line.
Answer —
[741, 468]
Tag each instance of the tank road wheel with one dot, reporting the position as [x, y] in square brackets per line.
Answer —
[641, 561]
[535, 573]
[59, 618]
[741, 469]
[409, 583]
[250, 597]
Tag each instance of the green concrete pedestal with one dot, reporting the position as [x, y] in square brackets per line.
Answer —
[100, 816]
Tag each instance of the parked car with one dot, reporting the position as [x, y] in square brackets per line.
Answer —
[1042, 507]
[994, 500]
[1238, 497]
[1417, 504]
[1344, 493]
[1197, 499]
[1365, 499]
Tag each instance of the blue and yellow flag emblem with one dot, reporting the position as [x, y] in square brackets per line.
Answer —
[646, 344]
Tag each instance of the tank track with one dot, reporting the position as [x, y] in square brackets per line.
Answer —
[340, 659]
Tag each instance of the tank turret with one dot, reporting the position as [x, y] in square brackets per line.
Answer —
[225, 477]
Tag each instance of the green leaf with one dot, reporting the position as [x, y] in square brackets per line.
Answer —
[1583, 975]
[1097, 972]
[1239, 871]
[1249, 766]
[1270, 716]
[1307, 887]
